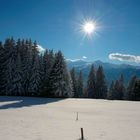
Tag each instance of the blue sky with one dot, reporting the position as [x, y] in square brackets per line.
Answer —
[54, 24]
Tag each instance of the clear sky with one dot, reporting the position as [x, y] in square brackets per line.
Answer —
[55, 23]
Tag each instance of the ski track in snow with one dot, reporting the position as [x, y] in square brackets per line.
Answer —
[27, 118]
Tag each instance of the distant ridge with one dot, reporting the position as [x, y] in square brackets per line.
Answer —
[112, 71]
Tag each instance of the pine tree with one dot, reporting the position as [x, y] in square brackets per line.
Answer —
[129, 93]
[136, 90]
[18, 79]
[2, 69]
[116, 91]
[110, 94]
[48, 62]
[9, 66]
[22, 49]
[41, 69]
[91, 83]
[59, 79]
[101, 86]
[35, 77]
[33, 49]
[68, 80]
[121, 93]
[80, 85]
[74, 82]
[27, 64]
[45, 59]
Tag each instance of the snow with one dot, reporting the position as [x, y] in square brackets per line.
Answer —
[55, 119]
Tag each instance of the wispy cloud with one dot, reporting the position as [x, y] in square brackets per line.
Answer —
[84, 57]
[74, 60]
[40, 48]
[124, 57]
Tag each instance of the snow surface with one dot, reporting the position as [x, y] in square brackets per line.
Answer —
[26, 118]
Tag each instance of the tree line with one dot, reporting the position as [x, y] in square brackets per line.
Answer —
[98, 88]
[24, 71]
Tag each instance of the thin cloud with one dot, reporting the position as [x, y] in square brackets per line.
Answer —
[74, 60]
[40, 48]
[84, 57]
[124, 57]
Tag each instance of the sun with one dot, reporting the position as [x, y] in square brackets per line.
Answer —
[89, 27]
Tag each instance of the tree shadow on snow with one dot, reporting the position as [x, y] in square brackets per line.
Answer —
[11, 102]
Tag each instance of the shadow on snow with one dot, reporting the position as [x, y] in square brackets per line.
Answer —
[19, 102]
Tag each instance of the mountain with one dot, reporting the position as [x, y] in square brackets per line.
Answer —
[112, 71]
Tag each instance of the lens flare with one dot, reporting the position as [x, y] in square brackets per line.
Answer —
[89, 27]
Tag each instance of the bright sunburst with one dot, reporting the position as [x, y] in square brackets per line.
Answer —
[89, 27]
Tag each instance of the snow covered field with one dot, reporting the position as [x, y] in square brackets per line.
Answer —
[25, 118]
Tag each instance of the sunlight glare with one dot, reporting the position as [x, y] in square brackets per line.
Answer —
[89, 27]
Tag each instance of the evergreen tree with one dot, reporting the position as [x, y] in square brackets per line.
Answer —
[19, 47]
[68, 80]
[18, 79]
[2, 69]
[122, 90]
[9, 66]
[48, 62]
[101, 86]
[91, 83]
[80, 85]
[45, 58]
[136, 90]
[59, 80]
[41, 69]
[74, 82]
[35, 79]
[116, 91]
[110, 94]
[35, 76]
[129, 93]
[22, 49]
[27, 66]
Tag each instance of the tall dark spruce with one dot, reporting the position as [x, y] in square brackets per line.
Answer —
[110, 94]
[136, 90]
[91, 83]
[18, 85]
[74, 82]
[130, 88]
[122, 89]
[60, 84]
[48, 62]
[101, 86]
[119, 91]
[80, 87]
[10, 59]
